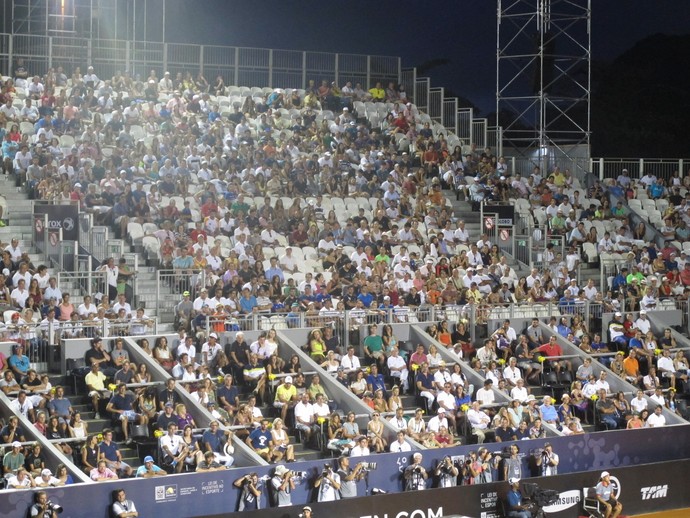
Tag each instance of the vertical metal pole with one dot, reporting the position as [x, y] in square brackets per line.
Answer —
[201, 59]
[158, 292]
[368, 72]
[163, 31]
[50, 52]
[89, 261]
[304, 70]
[270, 68]
[237, 66]
[46, 241]
[337, 67]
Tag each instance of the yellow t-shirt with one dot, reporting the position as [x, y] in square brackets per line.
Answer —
[285, 393]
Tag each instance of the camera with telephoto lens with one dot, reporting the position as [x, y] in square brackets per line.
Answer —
[298, 474]
[417, 469]
[369, 466]
[56, 508]
[327, 470]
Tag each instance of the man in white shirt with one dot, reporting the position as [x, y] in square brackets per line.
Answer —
[350, 362]
[398, 369]
[657, 419]
[122, 304]
[638, 403]
[479, 421]
[361, 449]
[87, 307]
[288, 262]
[174, 449]
[400, 445]
[643, 323]
[519, 391]
[486, 395]
[304, 417]
[511, 373]
[446, 403]
[461, 235]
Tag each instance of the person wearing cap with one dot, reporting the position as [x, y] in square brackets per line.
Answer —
[13, 459]
[514, 506]
[605, 495]
[415, 475]
[286, 397]
[149, 469]
[617, 330]
[282, 484]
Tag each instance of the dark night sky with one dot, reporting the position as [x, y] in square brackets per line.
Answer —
[462, 31]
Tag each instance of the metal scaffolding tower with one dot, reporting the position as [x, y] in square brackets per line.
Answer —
[543, 76]
[142, 20]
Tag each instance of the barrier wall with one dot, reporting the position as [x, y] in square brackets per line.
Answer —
[212, 494]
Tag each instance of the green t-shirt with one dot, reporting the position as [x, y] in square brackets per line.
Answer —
[374, 343]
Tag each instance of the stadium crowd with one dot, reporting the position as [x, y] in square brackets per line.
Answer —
[308, 203]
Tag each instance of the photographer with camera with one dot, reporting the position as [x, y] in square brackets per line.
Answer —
[512, 465]
[250, 498]
[283, 485]
[349, 477]
[328, 484]
[415, 475]
[514, 506]
[547, 460]
[447, 472]
[44, 508]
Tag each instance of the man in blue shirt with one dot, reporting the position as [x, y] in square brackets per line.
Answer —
[149, 469]
[213, 440]
[375, 380]
[260, 441]
[516, 509]
[366, 297]
[228, 395]
[247, 301]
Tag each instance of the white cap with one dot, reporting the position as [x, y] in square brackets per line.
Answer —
[604, 474]
[643, 312]
[618, 314]
[46, 473]
[288, 379]
[513, 480]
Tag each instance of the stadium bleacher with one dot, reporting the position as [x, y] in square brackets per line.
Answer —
[320, 225]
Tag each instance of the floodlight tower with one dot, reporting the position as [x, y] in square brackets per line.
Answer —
[543, 78]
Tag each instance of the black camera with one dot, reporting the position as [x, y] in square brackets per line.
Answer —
[56, 508]
[327, 469]
[417, 469]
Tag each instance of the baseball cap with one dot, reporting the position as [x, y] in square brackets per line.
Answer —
[643, 312]
[441, 410]
[185, 294]
[47, 473]
[618, 314]
[169, 404]
[604, 474]
[288, 379]
[148, 458]
[513, 480]
[306, 507]
[213, 335]
[16, 444]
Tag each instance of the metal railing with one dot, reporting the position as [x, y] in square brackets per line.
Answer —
[84, 281]
[239, 66]
[660, 167]
[170, 286]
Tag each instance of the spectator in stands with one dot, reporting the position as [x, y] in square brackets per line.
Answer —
[110, 453]
[219, 442]
[121, 408]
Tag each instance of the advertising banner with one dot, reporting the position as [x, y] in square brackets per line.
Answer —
[626, 454]
[65, 217]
